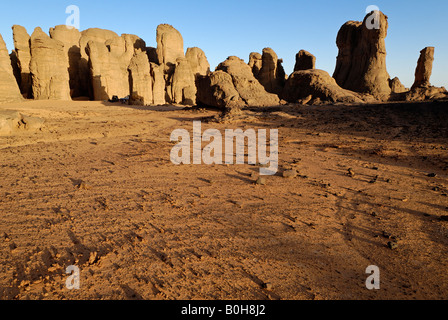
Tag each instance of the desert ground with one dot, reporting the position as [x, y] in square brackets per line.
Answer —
[96, 188]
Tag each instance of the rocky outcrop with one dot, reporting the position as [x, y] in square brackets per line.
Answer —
[109, 62]
[12, 121]
[96, 35]
[183, 88]
[109, 68]
[421, 94]
[198, 61]
[424, 68]
[22, 49]
[255, 63]
[239, 87]
[396, 86]
[48, 67]
[361, 63]
[217, 90]
[140, 80]
[170, 46]
[304, 61]
[272, 74]
[70, 38]
[9, 89]
[158, 86]
[310, 85]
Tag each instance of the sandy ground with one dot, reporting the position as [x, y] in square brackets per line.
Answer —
[96, 189]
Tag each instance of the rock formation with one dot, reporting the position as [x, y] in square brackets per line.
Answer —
[396, 86]
[70, 38]
[198, 61]
[183, 88]
[170, 46]
[158, 87]
[140, 80]
[95, 35]
[218, 86]
[109, 62]
[217, 90]
[315, 84]
[424, 68]
[48, 67]
[255, 63]
[109, 68]
[304, 61]
[361, 63]
[22, 49]
[9, 89]
[272, 74]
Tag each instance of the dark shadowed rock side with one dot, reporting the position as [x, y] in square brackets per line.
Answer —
[304, 61]
[9, 89]
[22, 49]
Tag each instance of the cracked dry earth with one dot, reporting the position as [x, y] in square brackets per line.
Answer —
[96, 189]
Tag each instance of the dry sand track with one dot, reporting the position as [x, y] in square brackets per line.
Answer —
[96, 188]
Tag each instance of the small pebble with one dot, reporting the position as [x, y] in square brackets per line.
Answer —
[392, 245]
[350, 173]
[290, 173]
[268, 286]
[261, 181]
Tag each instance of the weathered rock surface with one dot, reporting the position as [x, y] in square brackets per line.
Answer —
[422, 94]
[304, 61]
[95, 35]
[109, 68]
[109, 62]
[158, 87]
[217, 90]
[9, 89]
[12, 121]
[22, 49]
[183, 83]
[307, 85]
[140, 80]
[361, 63]
[249, 89]
[233, 85]
[170, 46]
[198, 61]
[48, 68]
[272, 74]
[396, 86]
[424, 68]
[255, 63]
[70, 38]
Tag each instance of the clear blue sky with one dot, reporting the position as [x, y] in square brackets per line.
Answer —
[224, 28]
